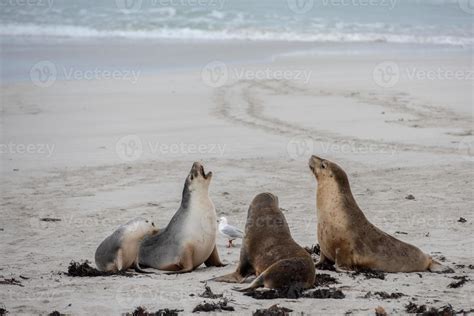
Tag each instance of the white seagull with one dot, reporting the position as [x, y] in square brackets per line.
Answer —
[229, 231]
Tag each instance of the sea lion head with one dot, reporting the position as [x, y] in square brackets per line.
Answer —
[197, 178]
[265, 217]
[140, 228]
[325, 170]
[264, 200]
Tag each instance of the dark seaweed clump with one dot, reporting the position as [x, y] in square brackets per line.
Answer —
[294, 293]
[3, 310]
[11, 281]
[273, 310]
[209, 294]
[84, 269]
[384, 295]
[141, 311]
[370, 274]
[422, 310]
[220, 306]
[324, 280]
[313, 250]
[325, 293]
[326, 266]
[462, 280]
[291, 292]
[55, 313]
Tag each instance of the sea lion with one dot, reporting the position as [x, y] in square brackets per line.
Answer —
[190, 237]
[269, 252]
[348, 239]
[119, 251]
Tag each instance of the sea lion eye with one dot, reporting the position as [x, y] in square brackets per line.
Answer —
[324, 165]
[146, 221]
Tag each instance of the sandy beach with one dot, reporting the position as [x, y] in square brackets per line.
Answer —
[95, 152]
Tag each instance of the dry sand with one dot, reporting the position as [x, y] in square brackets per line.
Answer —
[255, 135]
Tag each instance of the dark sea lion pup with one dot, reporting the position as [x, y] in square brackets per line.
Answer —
[269, 252]
[189, 240]
[346, 236]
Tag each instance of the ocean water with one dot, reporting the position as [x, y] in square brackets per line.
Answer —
[424, 22]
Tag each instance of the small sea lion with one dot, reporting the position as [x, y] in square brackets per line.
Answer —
[119, 251]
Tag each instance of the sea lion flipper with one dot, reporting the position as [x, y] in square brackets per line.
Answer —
[138, 269]
[186, 262]
[233, 277]
[322, 260]
[341, 261]
[214, 260]
[437, 267]
[258, 282]
[119, 260]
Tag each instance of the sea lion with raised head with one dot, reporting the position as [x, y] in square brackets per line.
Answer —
[189, 240]
[269, 252]
[348, 239]
[119, 251]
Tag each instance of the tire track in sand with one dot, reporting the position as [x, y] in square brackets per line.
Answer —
[242, 103]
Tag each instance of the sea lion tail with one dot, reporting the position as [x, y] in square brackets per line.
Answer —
[437, 267]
